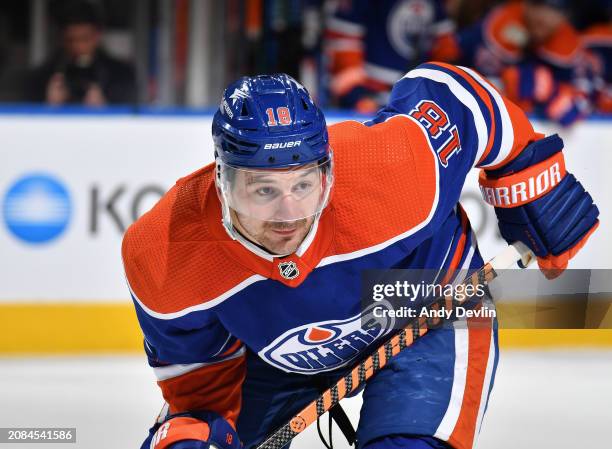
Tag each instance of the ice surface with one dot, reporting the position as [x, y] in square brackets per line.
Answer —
[554, 399]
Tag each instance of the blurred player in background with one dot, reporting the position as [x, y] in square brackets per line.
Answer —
[246, 275]
[372, 44]
[597, 40]
[81, 71]
[531, 50]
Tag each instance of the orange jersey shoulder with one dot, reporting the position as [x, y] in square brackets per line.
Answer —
[562, 47]
[600, 34]
[385, 181]
[172, 257]
[506, 32]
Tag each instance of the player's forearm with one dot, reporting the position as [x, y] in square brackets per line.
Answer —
[213, 388]
[203, 406]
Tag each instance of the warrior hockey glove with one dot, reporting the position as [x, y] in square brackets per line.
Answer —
[195, 430]
[537, 202]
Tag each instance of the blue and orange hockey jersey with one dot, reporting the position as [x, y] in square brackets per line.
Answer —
[552, 77]
[371, 45]
[502, 38]
[203, 299]
[598, 42]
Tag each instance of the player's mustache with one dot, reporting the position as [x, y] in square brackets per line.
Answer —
[282, 225]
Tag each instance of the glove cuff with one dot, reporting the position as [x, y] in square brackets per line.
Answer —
[552, 265]
[524, 186]
[179, 429]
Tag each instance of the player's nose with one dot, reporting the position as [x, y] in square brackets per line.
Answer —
[288, 209]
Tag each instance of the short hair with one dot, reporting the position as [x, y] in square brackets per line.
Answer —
[78, 12]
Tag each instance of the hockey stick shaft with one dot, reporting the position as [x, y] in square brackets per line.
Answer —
[405, 337]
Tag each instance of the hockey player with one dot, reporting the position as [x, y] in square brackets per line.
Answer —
[597, 39]
[534, 54]
[371, 45]
[246, 275]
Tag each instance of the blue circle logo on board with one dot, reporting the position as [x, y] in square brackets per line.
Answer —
[37, 208]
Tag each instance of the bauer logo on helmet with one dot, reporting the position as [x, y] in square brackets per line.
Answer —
[281, 145]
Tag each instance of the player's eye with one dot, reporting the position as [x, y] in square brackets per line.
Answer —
[266, 192]
[302, 187]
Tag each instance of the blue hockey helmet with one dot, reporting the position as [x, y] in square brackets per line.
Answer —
[273, 160]
[269, 121]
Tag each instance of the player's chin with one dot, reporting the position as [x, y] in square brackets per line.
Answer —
[284, 244]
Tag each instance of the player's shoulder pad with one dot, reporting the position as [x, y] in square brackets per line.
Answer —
[598, 35]
[563, 47]
[401, 192]
[169, 219]
[172, 260]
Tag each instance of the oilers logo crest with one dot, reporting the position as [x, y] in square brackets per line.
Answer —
[326, 345]
[406, 23]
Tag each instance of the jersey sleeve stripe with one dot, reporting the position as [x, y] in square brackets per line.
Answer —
[451, 415]
[461, 381]
[345, 27]
[443, 27]
[230, 345]
[463, 95]
[485, 97]
[479, 343]
[170, 371]
[237, 344]
[442, 269]
[459, 250]
[507, 131]
[344, 44]
[198, 307]
[486, 387]
[382, 74]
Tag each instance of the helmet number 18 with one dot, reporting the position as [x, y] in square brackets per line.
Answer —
[284, 116]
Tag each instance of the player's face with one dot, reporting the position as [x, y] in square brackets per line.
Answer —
[81, 41]
[275, 208]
